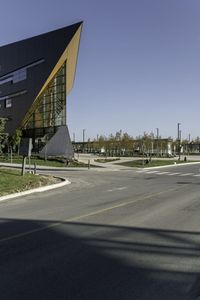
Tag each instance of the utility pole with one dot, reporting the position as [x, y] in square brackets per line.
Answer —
[179, 140]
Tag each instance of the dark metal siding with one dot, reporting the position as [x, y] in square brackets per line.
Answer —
[49, 46]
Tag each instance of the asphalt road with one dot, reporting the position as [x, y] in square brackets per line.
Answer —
[108, 235]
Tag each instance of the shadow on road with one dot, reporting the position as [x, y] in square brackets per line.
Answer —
[95, 261]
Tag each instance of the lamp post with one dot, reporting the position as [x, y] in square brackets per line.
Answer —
[188, 148]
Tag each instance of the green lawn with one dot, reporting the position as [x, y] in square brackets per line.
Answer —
[41, 162]
[154, 163]
[11, 181]
[106, 160]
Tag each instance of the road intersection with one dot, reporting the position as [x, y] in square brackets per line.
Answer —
[107, 235]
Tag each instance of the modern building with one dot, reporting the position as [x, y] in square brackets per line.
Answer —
[36, 74]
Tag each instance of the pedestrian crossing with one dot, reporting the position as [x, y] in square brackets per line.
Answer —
[187, 174]
[167, 173]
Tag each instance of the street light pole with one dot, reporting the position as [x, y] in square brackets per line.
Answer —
[83, 139]
[83, 135]
[157, 136]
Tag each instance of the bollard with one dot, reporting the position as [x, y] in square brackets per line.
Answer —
[88, 164]
[35, 170]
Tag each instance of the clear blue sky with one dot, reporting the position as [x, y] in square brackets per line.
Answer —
[139, 61]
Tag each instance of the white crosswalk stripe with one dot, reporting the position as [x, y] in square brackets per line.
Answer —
[156, 172]
[171, 174]
[162, 173]
[186, 174]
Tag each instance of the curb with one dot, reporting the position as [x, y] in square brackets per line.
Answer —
[46, 168]
[37, 190]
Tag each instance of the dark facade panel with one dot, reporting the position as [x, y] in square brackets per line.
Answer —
[25, 66]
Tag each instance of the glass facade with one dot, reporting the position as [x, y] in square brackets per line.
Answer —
[50, 111]
[51, 108]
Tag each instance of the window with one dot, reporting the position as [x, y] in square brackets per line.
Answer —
[19, 74]
[13, 95]
[5, 80]
[8, 103]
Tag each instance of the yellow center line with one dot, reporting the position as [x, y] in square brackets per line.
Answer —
[117, 206]
[29, 232]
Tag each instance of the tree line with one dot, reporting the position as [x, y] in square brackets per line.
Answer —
[123, 143]
[118, 143]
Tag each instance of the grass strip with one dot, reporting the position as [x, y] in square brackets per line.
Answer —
[106, 160]
[140, 163]
[11, 181]
[42, 162]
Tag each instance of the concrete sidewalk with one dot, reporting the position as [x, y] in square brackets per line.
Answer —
[114, 165]
[108, 166]
[40, 168]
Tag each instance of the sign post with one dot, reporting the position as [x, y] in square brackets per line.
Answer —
[25, 150]
[23, 166]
